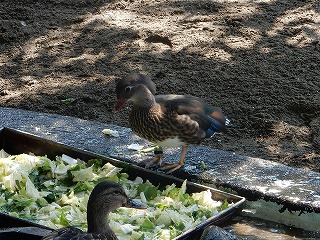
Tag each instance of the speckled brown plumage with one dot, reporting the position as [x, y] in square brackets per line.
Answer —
[168, 120]
[158, 125]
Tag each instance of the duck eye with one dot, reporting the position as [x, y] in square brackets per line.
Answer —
[117, 191]
[127, 89]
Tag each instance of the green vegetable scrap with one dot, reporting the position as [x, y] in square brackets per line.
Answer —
[203, 165]
[69, 101]
[55, 193]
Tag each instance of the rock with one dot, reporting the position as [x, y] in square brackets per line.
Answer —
[315, 128]
[217, 233]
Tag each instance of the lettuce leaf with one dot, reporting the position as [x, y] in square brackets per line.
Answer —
[55, 193]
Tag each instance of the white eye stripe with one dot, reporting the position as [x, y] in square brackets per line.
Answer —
[127, 89]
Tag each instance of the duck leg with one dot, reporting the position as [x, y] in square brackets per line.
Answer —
[169, 168]
[156, 160]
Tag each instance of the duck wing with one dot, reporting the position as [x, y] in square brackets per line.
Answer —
[72, 233]
[209, 118]
[63, 234]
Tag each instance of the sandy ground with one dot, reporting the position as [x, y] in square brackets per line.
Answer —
[258, 60]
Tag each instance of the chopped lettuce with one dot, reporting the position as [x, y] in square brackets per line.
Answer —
[83, 175]
[55, 193]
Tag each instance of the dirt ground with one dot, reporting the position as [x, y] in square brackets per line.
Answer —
[258, 60]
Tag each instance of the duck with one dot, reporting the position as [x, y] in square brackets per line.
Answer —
[167, 120]
[104, 198]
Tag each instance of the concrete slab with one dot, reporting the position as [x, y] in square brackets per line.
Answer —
[290, 195]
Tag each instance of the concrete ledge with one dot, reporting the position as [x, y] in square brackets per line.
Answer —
[287, 189]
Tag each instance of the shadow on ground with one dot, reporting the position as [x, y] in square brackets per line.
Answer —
[258, 61]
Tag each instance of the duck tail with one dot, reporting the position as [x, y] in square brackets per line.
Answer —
[218, 123]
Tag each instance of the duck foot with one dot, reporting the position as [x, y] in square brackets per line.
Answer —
[169, 168]
[156, 160]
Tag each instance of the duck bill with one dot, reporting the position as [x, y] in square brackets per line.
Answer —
[134, 204]
[119, 104]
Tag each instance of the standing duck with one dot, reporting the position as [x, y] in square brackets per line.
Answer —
[167, 120]
[104, 198]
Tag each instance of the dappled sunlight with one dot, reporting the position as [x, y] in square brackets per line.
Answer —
[193, 26]
[282, 129]
[257, 60]
[303, 38]
[246, 11]
[125, 19]
[300, 25]
[59, 45]
[237, 42]
[264, 234]
[52, 42]
[219, 54]
[265, 50]
[86, 57]
[277, 144]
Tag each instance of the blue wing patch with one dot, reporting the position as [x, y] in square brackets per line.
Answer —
[218, 124]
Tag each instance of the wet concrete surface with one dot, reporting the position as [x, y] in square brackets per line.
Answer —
[291, 190]
[257, 229]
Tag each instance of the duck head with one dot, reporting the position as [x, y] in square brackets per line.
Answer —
[104, 198]
[134, 87]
